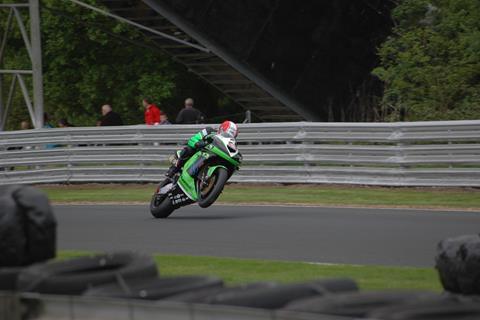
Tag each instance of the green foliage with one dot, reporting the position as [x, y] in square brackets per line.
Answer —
[89, 60]
[431, 63]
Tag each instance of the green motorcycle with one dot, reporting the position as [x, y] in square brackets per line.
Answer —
[201, 179]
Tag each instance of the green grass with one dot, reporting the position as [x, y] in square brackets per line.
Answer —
[238, 271]
[296, 194]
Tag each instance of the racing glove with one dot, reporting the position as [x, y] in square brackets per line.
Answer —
[200, 144]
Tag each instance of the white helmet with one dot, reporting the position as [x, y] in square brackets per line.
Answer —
[228, 128]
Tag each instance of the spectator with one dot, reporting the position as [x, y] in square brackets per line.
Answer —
[164, 119]
[63, 123]
[189, 114]
[152, 113]
[48, 125]
[46, 121]
[25, 125]
[110, 118]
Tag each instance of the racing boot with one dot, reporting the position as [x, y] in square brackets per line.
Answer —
[171, 172]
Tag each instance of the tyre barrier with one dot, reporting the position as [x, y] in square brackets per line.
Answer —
[207, 296]
[275, 297]
[356, 304]
[430, 309]
[75, 276]
[156, 288]
[27, 226]
[134, 277]
[458, 264]
[8, 278]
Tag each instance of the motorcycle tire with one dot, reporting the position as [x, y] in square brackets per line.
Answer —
[221, 176]
[154, 288]
[357, 304]
[438, 309]
[161, 210]
[75, 276]
[8, 278]
[278, 296]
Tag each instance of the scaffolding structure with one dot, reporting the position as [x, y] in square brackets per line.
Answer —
[170, 34]
[33, 45]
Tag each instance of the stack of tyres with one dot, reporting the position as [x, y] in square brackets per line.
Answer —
[458, 264]
[27, 231]
[268, 295]
[446, 308]
[155, 289]
[208, 295]
[357, 304]
[73, 277]
[8, 278]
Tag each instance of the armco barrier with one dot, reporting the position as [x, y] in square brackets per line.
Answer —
[395, 154]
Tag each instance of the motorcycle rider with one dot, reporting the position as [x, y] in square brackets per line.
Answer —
[200, 140]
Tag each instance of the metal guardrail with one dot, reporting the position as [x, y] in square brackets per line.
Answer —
[393, 154]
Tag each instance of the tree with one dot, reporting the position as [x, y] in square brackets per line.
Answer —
[430, 65]
[90, 60]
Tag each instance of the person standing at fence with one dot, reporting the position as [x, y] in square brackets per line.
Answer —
[48, 125]
[152, 113]
[109, 117]
[25, 125]
[63, 123]
[46, 121]
[164, 119]
[189, 114]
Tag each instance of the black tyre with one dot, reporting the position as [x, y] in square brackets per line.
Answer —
[356, 304]
[209, 191]
[8, 278]
[27, 226]
[458, 264]
[438, 309]
[76, 275]
[155, 289]
[13, 241]
[278, 296]
[209, 295]
[161, 206]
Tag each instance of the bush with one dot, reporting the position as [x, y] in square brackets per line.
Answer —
[431, 64]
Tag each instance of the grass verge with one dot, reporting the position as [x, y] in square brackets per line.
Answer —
[237, 271]
[276, 194]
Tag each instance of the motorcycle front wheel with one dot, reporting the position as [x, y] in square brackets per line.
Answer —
[209, 190]
[161, 206]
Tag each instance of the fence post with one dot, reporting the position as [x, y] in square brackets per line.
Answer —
[69, 155]
[248, 117]
[141, 144]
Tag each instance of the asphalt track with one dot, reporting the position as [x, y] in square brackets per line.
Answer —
[312, 234]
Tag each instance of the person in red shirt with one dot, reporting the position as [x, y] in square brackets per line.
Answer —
[152, 113]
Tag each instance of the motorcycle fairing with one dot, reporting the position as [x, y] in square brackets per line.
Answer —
[186, 182]
[178, 198]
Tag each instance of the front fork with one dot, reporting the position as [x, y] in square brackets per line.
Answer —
[204, 179]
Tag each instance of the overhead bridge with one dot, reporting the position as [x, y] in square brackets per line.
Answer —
[188, 46]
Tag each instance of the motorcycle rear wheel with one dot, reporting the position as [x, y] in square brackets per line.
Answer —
[208, 193]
